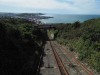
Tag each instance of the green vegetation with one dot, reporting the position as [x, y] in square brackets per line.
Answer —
[84, 38]
[20, 46]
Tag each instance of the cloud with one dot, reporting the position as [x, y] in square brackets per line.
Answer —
[74, 6]
[39, 4]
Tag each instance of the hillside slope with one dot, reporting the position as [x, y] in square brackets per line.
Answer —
[83, 38]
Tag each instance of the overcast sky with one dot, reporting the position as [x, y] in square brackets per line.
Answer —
[51, 6]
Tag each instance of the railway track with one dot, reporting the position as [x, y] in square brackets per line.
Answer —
[65, 62]
[77, 62]
[60, 64]
[71, 65]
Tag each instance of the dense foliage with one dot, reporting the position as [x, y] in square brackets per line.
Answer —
[20, 46]
[83, 38]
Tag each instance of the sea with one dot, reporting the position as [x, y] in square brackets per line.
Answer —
[65, 18]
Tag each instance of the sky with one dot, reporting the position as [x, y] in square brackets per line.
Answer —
[51, 6]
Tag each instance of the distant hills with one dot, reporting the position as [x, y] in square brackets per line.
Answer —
[31, 16]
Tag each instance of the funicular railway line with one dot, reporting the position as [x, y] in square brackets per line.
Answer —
[65, 64]
[83, 66]
[71, 66]
[61, 66]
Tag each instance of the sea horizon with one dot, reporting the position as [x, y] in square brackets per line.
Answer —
[69, 18]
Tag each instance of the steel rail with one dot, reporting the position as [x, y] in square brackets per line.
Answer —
[61, 65]
[75, 68]
[79, 63]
